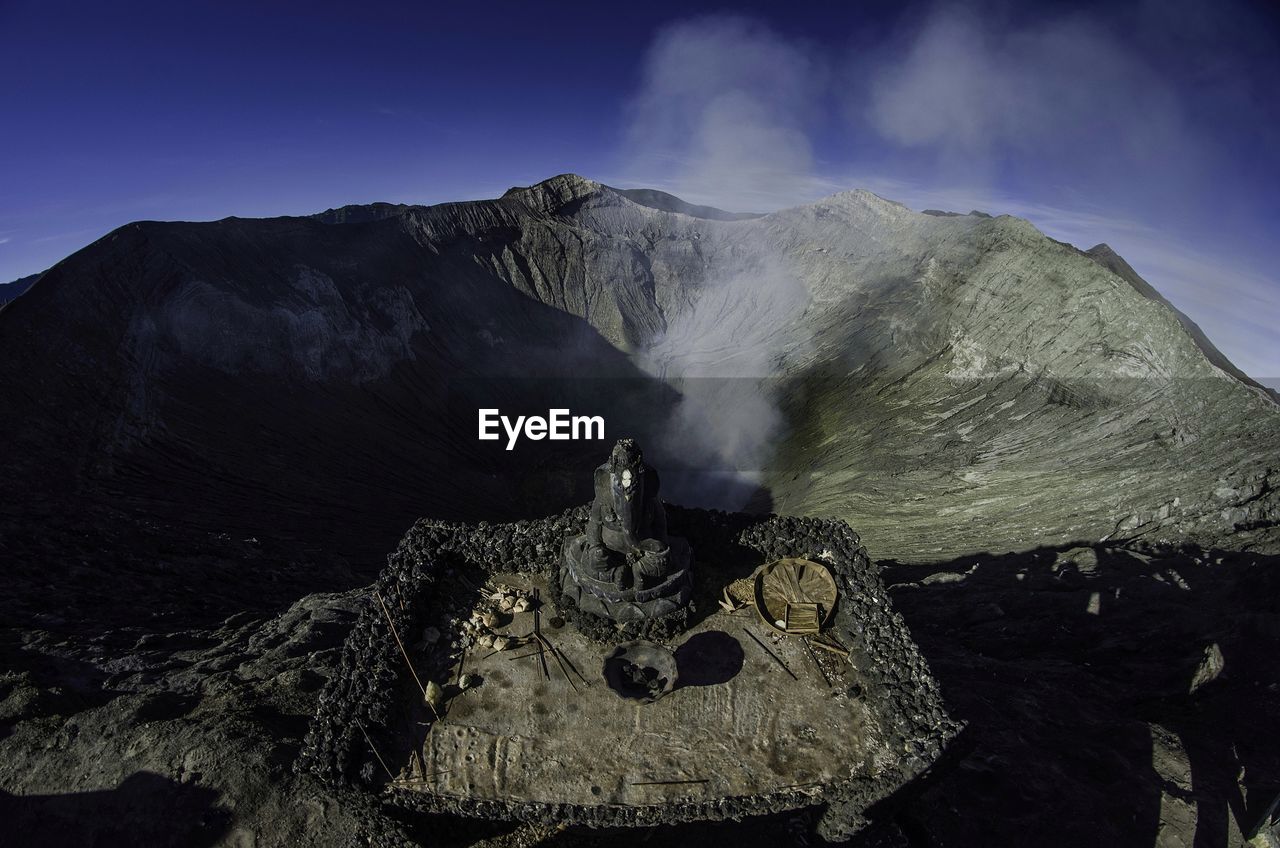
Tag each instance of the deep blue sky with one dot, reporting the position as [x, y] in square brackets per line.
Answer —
[1154, 126]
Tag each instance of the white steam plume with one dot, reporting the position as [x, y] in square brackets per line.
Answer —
[724, 113]
[723, 354]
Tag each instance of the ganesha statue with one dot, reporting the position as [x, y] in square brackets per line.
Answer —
[625, 567]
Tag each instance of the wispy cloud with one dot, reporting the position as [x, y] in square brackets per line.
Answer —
[967, 86]
[74, 234]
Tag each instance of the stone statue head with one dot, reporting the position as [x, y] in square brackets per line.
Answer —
[626, 470]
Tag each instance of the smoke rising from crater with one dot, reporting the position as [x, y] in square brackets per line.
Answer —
[724, 354]
[725, 111]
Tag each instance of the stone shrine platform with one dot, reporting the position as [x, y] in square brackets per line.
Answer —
[743, 740]
[741, 722]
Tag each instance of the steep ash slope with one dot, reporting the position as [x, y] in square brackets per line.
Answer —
[1105, 256]
[945, 384]
[8, 291]
[976, 385]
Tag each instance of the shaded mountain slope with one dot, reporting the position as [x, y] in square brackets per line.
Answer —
[8, 291]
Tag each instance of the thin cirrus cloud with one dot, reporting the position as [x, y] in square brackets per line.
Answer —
[1058, 120]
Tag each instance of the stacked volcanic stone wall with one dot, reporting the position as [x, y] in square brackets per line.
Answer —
[865, 622]
[898, 678]
[372, 677]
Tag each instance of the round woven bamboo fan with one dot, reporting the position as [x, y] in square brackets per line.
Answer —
[795, 596]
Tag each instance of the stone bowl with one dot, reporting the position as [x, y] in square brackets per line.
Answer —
[640, 671]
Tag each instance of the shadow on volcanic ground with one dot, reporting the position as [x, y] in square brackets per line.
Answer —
[145, 809]
[1073, 668]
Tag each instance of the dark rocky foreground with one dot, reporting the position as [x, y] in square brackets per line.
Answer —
[363, 708]
[180, 723]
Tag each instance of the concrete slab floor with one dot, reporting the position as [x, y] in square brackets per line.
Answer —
[738, 724]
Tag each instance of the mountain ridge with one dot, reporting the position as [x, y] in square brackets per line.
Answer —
[1106, 256]
[896, 314]
[11, 290]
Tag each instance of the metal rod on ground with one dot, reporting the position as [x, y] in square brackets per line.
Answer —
[670, 782]
[814, 657]
[800, 785]
[524, 656]
[556, 656]
[403, 652]
[560, 662]
[537, 632]
[775, 657]
[542, 660]
[835, 649]
[833, 641]
[390, 776]
[523, 640]
[574, 669]
[422, 779]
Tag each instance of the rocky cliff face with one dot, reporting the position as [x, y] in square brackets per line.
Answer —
[204, 423]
